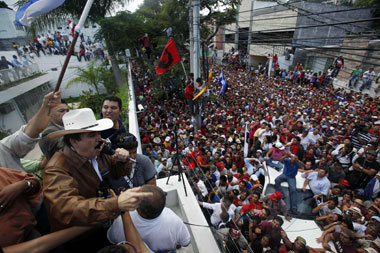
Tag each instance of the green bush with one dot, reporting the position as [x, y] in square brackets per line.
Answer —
[93, 101]
[123, 94]
[4, 133]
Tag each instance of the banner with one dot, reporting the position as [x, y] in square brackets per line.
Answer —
[222, 83]
[169, 57]
[34, 8]
[206, 86]
[246, 133]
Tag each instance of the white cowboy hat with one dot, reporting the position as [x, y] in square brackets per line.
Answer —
[157, 140]
[81, 121]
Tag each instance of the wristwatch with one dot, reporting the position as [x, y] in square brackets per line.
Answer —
[29, 186]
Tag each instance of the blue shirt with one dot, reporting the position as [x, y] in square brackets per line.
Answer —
[318, 185]
[112, 132]
[290, 170]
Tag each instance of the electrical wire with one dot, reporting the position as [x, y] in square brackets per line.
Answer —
[289, 6]
[311, 26]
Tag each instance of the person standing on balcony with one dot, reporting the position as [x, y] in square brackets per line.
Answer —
[338, 64]
[356, 72]
[4, 63]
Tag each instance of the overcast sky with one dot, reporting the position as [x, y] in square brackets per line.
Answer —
[132, 5]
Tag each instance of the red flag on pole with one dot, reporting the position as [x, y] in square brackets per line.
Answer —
[169, 57]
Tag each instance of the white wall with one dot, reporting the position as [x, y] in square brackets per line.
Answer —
[8, 29]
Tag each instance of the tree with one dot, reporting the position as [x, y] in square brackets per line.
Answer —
[91, 74]
[4, 5]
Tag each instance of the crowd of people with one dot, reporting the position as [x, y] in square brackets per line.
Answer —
[58, 44]
[47, 44]
[98, 190]
[329, 136]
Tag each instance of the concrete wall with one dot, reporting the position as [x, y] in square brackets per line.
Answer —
[25, 99]
[328, 31]
[9, 32]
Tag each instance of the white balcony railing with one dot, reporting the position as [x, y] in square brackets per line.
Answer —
[8, 76]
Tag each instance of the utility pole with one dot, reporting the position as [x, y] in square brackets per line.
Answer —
[250, 34]
[237, 29]
[197, 38]
[191, 37]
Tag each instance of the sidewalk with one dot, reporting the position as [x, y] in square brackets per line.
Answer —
[344, 84]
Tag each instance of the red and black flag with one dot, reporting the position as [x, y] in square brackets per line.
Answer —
[169, 57]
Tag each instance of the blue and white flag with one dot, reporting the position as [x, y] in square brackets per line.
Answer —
[222, 83]
[34, 8]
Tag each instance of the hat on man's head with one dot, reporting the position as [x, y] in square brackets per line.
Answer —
[301, 240]
[358, 201]
[376, 218]
[157, 140]
[371, 152]
[276, 196]
[356, 210]
[81, 121]
[279, 146]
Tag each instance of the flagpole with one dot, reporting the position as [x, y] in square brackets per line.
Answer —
[184, 69]
[78, 28]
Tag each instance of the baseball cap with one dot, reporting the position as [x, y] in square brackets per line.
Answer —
[276, 196]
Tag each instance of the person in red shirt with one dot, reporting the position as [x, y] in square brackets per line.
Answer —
[189, 93]
[253, 205]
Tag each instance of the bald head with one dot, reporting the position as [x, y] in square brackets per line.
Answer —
[151, 207]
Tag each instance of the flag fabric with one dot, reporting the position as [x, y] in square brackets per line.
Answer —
[206, 86]
[72, 28]
[246, 133]
[34, 8]
[169, 57]
[222, 83]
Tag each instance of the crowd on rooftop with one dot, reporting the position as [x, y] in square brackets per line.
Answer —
[98, 190]
[328, 136]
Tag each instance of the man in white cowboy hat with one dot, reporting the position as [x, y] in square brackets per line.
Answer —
[73, 183]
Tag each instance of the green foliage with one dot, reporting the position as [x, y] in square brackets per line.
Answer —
[123, 94]
[73, 9]
[4, 133]
[375, 4]
[4, 5]
[94, 75]
[108, 79]
[121, 31]
[93, 101]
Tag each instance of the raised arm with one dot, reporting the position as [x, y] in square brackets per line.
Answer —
[41, 119]
[132, 235]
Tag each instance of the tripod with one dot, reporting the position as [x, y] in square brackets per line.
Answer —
[177, 161]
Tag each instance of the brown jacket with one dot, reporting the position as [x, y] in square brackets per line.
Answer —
[18, 220]
[70, 187]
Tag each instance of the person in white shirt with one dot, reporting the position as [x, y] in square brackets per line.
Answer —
[313, 136]
[217, 208]
[368, 76]
[159, 227]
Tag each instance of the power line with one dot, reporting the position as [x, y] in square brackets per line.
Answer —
[311, 26]
[289, 6]
[305, 15]
[304, 46]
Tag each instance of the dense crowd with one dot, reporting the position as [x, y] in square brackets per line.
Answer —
[98, 190]
[328, 136]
